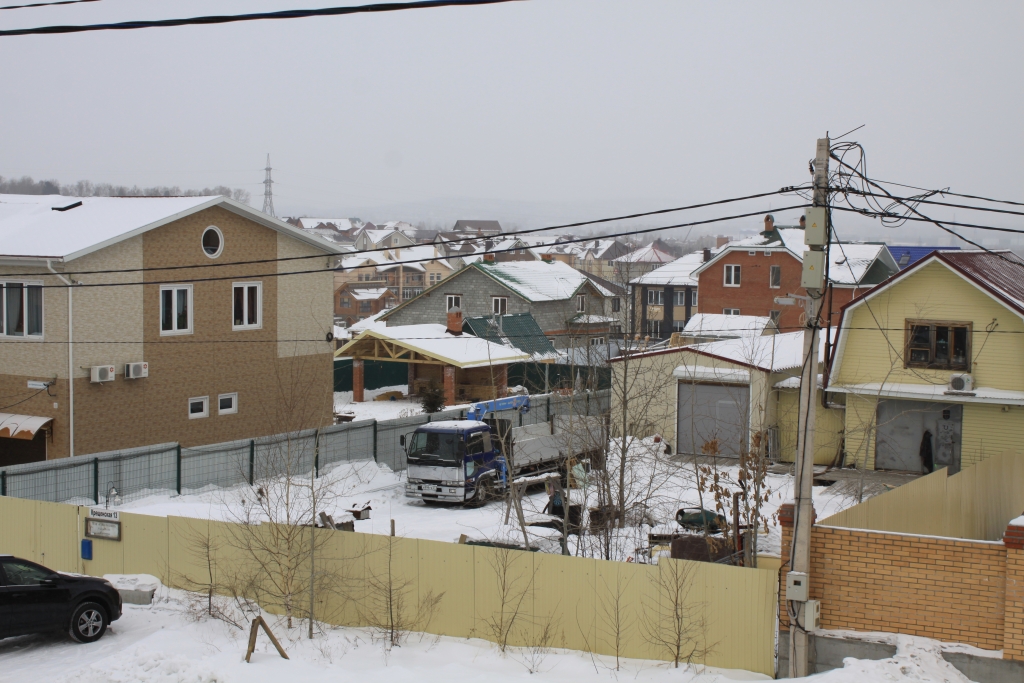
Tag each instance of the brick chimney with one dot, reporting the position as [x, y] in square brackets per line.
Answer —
[721, 241]
[803, 222]
[489, 257]
[548, 258]
[769, 223]
[707, 255]
[455, 322]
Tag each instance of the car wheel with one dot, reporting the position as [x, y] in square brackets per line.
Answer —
[484, 492]
[88, 622]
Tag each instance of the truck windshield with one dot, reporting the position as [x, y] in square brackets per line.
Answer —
[434, 448]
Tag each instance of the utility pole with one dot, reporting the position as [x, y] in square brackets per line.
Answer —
[816, 237]
[268, 193]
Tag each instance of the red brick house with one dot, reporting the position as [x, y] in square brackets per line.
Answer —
[744, 277]
[352, 304]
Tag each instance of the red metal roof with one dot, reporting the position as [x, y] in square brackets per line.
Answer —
[1001, 272]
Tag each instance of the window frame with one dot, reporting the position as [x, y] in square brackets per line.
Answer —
[206, 407]
[616, 304]
[495, 301]
[191, 310]
[693, 297]
[233, 410]
[449, 302]
[258, 325]
[581, 303]
[653, 300]
[26, 285]
[730, 311]
[732, 275]
[911, 323]
[772, 271]
[597, 341]
[220, 238]
[775, 315]
[654, 328]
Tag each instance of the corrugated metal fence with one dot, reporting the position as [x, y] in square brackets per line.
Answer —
[138, 472]
[611, 608]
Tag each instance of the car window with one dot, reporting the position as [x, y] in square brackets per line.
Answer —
[20, 573]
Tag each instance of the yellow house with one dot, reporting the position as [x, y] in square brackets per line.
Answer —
[929, 362]
[741, 393]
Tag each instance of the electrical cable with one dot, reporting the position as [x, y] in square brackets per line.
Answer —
[256, 16]
[464, 240]
[47, 4]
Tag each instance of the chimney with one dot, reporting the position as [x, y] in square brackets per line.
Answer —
[803, 222]
[455, 322]
[769, 223]
[489, 257]
[721, 241]
[548, 258]
[398, 252]
[707, 255]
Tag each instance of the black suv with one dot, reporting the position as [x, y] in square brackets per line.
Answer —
[34, 599]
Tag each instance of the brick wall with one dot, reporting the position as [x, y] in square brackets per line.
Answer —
[1013, 624]
[951, 590]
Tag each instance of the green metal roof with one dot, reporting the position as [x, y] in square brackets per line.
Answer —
[519, 330]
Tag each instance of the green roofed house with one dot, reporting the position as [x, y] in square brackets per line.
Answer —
[570, 308]
[518, 330]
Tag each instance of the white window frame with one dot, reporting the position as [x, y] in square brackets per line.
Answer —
[206, 407]
[191, 309]
[771, 271]
[499, 302]
[732, 276]
[730, 311]
[450, 303]
[597, 341]
[693, 298]
[581, 303]
[25, 284]
[234, 403]
[655, 297]
[220, 236]
[245, 305]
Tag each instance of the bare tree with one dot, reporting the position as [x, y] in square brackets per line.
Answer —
[671, 621]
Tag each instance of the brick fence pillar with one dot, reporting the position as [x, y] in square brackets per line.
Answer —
[412, 379]
[357, 380]
[787, 513]
[501, 380]
[449, 385]
[1013, 616]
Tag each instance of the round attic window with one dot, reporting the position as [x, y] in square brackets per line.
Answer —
[213, 241]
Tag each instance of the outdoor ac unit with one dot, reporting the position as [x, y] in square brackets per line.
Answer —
[101, 373]
[136, 370]
[961, 383]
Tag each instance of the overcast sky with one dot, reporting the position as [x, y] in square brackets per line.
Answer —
[530, 111]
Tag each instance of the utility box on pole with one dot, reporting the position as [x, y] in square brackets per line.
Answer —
[815, 227]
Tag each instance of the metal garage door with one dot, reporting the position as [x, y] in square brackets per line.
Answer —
[911, 431]
[713, 411]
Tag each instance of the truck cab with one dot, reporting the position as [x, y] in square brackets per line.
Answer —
[449, 459]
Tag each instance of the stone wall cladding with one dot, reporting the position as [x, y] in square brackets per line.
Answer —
[947, 589]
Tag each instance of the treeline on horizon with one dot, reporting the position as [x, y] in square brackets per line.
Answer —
[87, 188]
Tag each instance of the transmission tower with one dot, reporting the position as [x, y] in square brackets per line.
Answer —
[268, 192]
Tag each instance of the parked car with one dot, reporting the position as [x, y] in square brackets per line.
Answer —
[34, 599]
[694, 519]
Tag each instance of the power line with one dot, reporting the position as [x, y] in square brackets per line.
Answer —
[947, 191]
[256, 16]
[920, 200]
[464, 240]
[47, 4]
[876, 214]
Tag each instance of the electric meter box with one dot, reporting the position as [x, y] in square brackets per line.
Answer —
[813, 276]
[796, 586]
[815, 226]
[810, 615]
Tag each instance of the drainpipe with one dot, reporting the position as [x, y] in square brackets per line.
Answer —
[71, 360]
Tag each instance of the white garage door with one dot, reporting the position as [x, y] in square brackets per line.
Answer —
[710, 412]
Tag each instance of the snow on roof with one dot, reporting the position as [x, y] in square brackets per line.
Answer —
[368, 294]
[357, 261]
[678, 272]
[464, 351]
[339, 223]
[648, 254]
[720, 325]
[33, 225]
[417, 253]
[372, 321]
[584, 319]
[538, 280]
[772, 353]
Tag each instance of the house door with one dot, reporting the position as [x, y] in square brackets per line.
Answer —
[20, 451]
[910, 433]
[709, 412]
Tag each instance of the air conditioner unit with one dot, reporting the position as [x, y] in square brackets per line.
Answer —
[136, 370]
[101, 373]
[961, 383]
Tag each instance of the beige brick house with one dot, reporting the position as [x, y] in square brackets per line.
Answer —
[233, 346]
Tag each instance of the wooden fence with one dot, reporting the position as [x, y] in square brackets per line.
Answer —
[976, 503]
[536, 599]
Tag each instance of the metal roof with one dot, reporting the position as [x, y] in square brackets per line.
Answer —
[906, 256]
[519, 330]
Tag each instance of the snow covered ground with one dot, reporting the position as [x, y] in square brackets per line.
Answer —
[381, 410]
[672, 484]
[169, 642]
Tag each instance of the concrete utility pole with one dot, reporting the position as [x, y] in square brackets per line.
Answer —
[816, 237]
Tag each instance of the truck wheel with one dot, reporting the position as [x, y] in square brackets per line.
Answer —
[88, 622]
[484, 492]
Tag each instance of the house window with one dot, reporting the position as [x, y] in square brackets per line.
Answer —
[597, 341]
[655, 297]
[411, 292]
[616, 304]
[775, 277]
[247, 306]
[453, 301]
[678, 325]
[654, 328]
[175, 309]
[775, 316]
[365, 307]
[21, 309]
[346, 302]
[693, 298]
[938, 345]
[680, 298]
[198, 407]
[394, 241]
[732, 276]
[731, 311]
[499, 305]
[581, 303]
[227, 404]
[213, 241]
